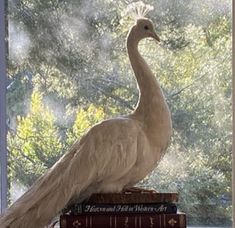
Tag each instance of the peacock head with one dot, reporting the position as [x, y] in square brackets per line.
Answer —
[143, 29]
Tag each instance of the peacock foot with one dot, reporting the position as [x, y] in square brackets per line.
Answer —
[138, 190]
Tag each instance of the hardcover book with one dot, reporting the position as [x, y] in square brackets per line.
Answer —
[133, 197]
[160, 208]
[124, 221]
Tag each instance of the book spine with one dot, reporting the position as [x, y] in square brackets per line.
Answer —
[159, 208]
[124, 221]
[133, 198]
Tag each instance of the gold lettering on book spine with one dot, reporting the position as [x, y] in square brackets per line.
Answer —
[76, 224]
[172, 222]
[126, 225]
[151, 222]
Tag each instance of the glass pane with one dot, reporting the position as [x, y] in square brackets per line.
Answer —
[68, 69]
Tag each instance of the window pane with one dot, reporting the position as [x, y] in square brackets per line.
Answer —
[68, 69]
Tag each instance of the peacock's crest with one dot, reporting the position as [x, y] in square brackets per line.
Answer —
[137, 10]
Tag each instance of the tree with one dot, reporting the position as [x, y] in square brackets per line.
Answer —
[75, 56]
[85, 119]
[200, 150]
[35, 146]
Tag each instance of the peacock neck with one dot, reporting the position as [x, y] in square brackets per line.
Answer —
[151, 98]
[152, 110]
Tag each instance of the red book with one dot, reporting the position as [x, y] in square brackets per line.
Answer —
[124, 221]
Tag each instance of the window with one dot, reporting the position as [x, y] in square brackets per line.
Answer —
[68, 69]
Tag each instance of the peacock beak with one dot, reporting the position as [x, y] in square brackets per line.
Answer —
[155, 36]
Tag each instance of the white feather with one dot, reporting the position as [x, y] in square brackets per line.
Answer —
[112, 156]
[137, 10]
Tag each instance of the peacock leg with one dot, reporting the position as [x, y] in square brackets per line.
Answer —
[138, 190]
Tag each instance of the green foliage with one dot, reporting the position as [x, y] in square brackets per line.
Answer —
[36, 144]
[77, 56]
[197, 80]
[85, 119]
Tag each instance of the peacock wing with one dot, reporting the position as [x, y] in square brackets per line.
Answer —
[106, 153]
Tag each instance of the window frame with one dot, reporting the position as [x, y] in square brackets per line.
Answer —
[233, 106]
[3, 126]
[3, 130]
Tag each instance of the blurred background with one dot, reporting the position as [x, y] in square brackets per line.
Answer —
[68, 69]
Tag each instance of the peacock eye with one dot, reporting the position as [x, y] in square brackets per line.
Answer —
[146, 27]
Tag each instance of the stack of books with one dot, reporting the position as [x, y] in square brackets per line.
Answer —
[143, 209]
